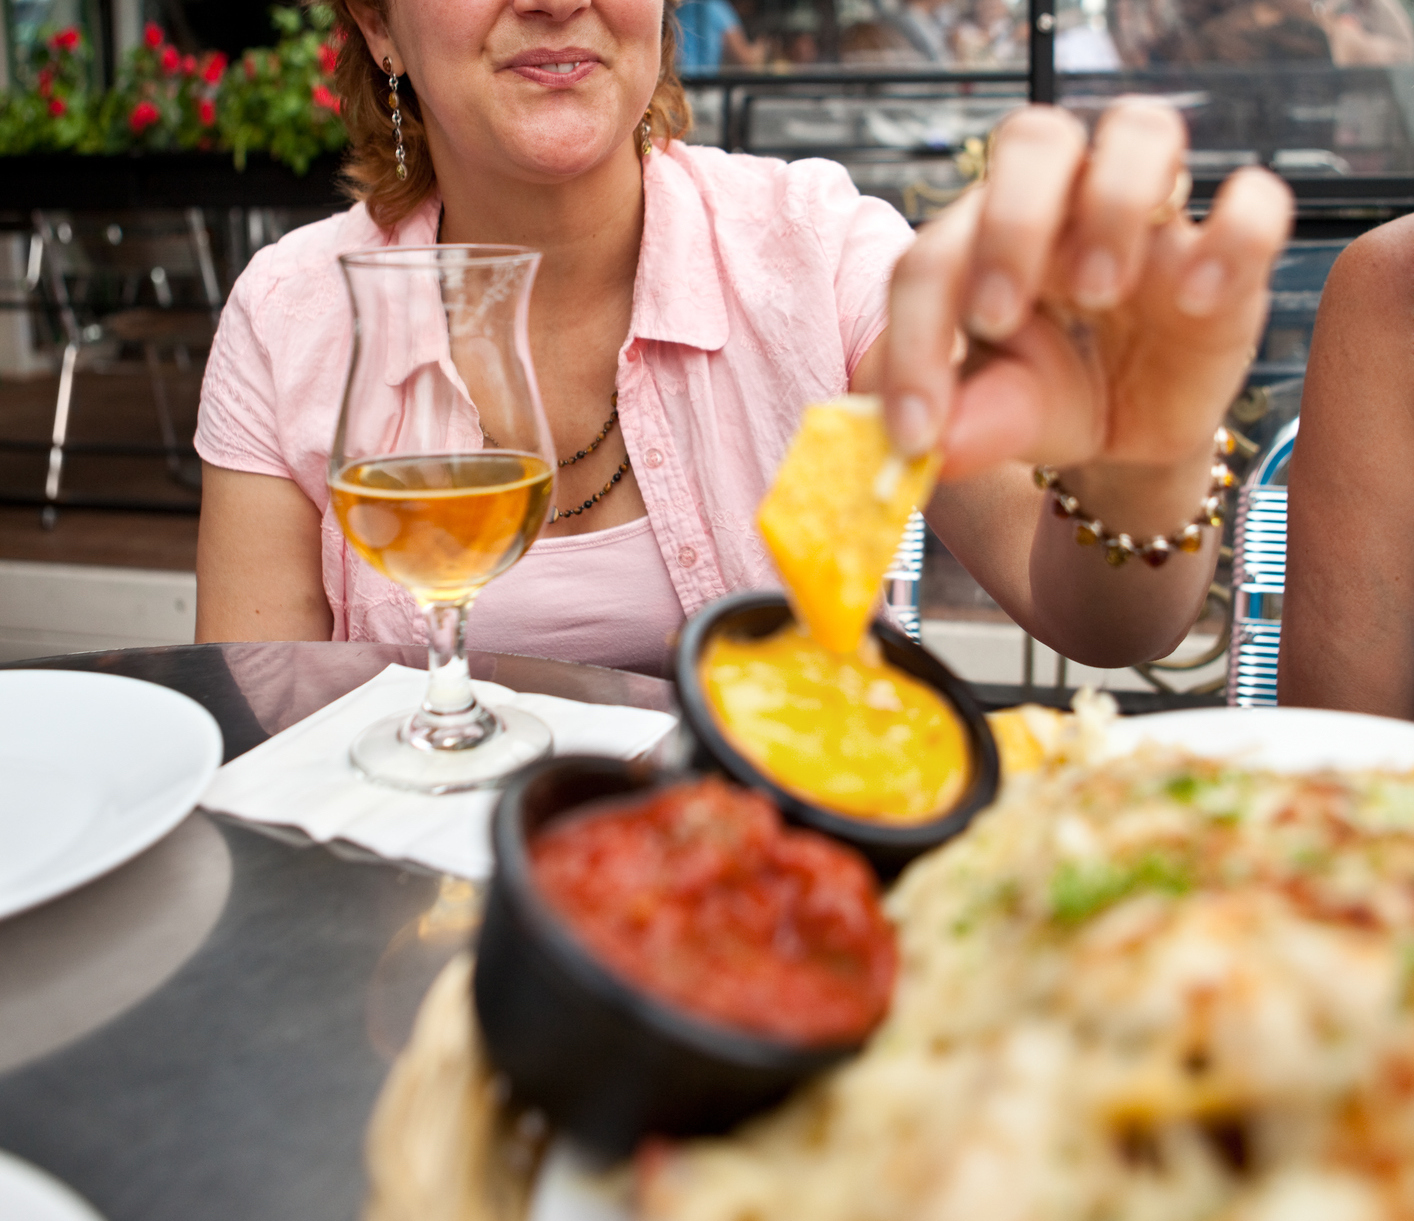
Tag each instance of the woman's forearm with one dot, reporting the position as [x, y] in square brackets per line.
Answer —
[1105, 616]
[1001, 526]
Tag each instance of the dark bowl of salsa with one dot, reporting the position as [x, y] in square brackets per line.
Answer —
[889, 844]
[661, 955]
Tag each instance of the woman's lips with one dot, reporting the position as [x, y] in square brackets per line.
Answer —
[556, 69]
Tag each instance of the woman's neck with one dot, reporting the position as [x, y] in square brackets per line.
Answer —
[589, 229]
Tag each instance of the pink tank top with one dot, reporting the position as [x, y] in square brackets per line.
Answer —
[604, 598]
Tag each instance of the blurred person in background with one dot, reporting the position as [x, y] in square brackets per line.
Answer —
[711, 35]
[1083, 42]
[1366, 32]
[1148, 32]
[927, 27]
[989, 35]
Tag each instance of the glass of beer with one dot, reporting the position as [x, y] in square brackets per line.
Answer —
[441, 476]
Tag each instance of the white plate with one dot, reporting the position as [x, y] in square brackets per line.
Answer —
[28, 1194]
[1283, 739]
[94, 769]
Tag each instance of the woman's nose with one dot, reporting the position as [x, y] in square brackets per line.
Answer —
[556, 10]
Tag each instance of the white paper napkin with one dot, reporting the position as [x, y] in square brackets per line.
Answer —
[302, 777]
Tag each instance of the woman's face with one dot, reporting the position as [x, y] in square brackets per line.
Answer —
[542, 89]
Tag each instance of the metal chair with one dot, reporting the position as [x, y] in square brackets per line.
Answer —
[1259, 576]
[903, 583]
[147, 279]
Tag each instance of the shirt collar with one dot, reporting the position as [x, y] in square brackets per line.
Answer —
[677, 297]
[677, 294]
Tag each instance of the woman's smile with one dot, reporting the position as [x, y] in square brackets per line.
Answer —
[557, 68]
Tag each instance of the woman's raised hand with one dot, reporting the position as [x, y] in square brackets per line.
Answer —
[1103, 326]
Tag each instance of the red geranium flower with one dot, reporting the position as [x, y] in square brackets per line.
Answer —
[58, 107]
[188, 64]
[65, 40]
[46, 82]
[143, 116]
[152, 35]
[215, 68]
[171, 60]
[206, 112]
[323, 98]
[328, 59]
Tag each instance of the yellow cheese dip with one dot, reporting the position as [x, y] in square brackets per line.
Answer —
[846, 731]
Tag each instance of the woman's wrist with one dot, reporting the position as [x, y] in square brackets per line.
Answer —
[1147, 510]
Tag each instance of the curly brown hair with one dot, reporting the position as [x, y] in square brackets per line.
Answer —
[371, 168]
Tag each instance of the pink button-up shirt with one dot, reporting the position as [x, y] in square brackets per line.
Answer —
[760, 286]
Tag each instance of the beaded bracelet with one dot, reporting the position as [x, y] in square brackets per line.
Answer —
[1154, 551]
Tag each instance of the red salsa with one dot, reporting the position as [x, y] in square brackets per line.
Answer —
[700, 896]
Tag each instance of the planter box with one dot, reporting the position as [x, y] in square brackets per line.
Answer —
[162, 180]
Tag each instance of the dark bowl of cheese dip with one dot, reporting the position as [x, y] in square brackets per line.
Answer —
[662, 955]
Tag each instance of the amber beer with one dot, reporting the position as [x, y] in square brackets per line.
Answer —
[442, 525]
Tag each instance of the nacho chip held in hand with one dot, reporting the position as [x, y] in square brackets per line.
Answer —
[835, 515]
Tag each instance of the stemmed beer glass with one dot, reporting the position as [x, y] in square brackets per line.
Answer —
[441, 474]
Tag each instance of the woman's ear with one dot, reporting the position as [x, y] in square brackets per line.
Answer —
[374, 28]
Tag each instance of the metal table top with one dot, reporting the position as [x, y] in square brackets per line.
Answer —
[203, 1032]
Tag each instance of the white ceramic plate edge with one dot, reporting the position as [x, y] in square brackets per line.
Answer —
[38, 1195]
[60, 881]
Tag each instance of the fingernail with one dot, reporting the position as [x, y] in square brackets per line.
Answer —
[1097, 281]
[1198, 294]
[915, 427]
[995, 306]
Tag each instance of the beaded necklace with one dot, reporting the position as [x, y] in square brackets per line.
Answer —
[556, 513]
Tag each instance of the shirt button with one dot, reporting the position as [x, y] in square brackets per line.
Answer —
[655, 457]
[632, 353]
[687, 557]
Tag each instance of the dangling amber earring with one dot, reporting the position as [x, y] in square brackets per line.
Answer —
[397, 118]
[645, 133]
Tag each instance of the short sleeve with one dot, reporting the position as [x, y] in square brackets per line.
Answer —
[724, 18]
[863, 237]
[236, 426]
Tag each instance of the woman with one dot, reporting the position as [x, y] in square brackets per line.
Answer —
[716, 296]
[1348, 613]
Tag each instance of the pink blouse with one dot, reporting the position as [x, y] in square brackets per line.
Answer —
[760, 286]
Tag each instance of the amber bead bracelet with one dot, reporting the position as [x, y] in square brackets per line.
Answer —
[1155, 551]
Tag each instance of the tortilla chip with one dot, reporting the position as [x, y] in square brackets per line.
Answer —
[835, 515]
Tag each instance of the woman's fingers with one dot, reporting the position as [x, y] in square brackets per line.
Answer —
[924, 298]
[1229, 264]
[1030, 176]
[1135, 161]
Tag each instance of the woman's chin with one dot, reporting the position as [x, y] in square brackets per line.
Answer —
[563, 150]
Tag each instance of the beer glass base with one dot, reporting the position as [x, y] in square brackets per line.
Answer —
[385, 756]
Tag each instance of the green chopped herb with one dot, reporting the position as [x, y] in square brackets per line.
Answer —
[1079, 891]
[1182, 788]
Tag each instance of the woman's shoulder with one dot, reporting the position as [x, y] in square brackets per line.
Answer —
[1380, 261]
[761, 201]
[300, 272]
[746, 178]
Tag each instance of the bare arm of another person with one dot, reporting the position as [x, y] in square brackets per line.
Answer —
[738, 49]
[258, 569]
[1348, 618]
[1108, 336]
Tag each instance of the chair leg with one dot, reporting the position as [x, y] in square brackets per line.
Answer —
[164, 411]
[61, 431]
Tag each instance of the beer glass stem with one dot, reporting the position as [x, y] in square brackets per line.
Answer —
[451, 718]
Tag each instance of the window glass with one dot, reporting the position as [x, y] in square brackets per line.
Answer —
[1315, 90]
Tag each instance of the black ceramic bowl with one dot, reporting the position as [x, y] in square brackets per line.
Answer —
[889, 847]
[606, 1061]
